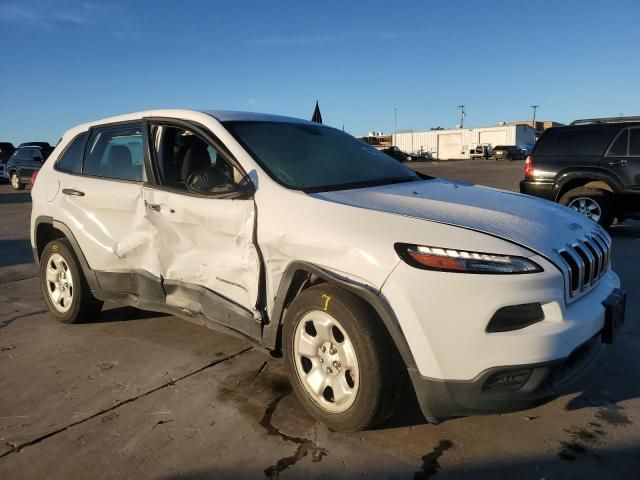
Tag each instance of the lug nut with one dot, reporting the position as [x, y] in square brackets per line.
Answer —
[324, 349]
[336, 364]
[329, 370]
[333, 349]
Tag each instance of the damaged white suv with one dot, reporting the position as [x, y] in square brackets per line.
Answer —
[312, 244]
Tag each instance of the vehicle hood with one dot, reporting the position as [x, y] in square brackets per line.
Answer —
[536, 224]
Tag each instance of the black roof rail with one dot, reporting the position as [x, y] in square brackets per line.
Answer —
[606, 120]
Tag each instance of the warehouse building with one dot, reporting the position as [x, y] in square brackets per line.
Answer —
[457, 143]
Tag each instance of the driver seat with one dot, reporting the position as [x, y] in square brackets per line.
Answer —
[196, 158]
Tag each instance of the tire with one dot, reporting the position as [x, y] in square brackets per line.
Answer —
[582, 199]
[75, 303]
[373, 382]
[14, 178]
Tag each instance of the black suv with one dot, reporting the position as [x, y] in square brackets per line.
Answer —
[27, 158]
[592, 166]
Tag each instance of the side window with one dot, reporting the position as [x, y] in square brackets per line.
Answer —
[619, 146]
[115, 152]
[634, 142]
[70, 160]
[575, 141]
[187, 162]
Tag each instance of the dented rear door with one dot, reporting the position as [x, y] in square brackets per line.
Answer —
[104, 208]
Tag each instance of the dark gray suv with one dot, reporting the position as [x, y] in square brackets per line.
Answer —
[27, 158]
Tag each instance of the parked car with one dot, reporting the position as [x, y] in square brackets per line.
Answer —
[27, 159]
[395, 152]
[592, 166]
[6, 150]
[352, 266]
[480, 151]
[507, 152]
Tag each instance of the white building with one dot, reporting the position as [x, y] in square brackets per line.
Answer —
[456, 143]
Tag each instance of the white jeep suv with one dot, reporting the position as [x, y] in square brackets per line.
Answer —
[361, 272]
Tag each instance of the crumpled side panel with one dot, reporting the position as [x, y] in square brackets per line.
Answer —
[110, 226]
[207, 242]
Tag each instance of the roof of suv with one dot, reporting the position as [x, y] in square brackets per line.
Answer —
[234, 116]
[219, 115]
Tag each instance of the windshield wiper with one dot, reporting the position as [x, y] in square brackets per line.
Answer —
[363, 184]
[391, 181]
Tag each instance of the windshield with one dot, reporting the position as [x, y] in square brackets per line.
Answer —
[317, 158]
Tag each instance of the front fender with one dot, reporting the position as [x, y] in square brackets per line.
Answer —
[291, 283]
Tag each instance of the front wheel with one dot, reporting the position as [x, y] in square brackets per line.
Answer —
[15, 181]
[340, 361]
[64, 287]
[594, 203]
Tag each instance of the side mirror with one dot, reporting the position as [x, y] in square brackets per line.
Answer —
[212, 182]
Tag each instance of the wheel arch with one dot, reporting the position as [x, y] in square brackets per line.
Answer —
[592, 179]
[47, 229]
[300, 275]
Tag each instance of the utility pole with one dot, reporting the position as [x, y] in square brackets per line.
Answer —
[533, 123]
[395, 121]
[461, 107]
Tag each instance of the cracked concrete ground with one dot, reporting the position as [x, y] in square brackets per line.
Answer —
[142, 395]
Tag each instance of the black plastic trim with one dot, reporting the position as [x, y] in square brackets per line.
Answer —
[89, 274]
[515, 317]
[441, 399]
[371, 296]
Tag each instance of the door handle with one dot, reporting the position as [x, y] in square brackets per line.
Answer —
[618, 163]
[153, 206]
[156, 207]
[73, 192]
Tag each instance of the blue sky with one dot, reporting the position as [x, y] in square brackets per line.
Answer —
[65, 62]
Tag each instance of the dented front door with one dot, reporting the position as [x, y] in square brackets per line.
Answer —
[204, 247]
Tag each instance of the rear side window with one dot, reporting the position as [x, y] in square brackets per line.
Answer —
[575, 141]
[115, 152]
[619, 146]
[70, 160]
[634, 142]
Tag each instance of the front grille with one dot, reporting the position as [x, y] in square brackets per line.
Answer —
[585, 261]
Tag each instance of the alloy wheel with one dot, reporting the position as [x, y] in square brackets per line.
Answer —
[587, 206]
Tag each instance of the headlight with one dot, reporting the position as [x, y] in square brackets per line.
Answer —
[462, 261]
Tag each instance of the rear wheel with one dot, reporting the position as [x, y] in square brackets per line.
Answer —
[594, 203]
[15, 181]
[64, 287]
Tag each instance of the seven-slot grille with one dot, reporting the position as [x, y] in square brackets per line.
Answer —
[585, 261]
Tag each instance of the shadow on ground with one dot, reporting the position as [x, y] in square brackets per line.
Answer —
[15, 197]
[125, 314]
[15, 251]
[594, 463]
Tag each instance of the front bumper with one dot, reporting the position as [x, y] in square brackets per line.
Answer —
[485, 394]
